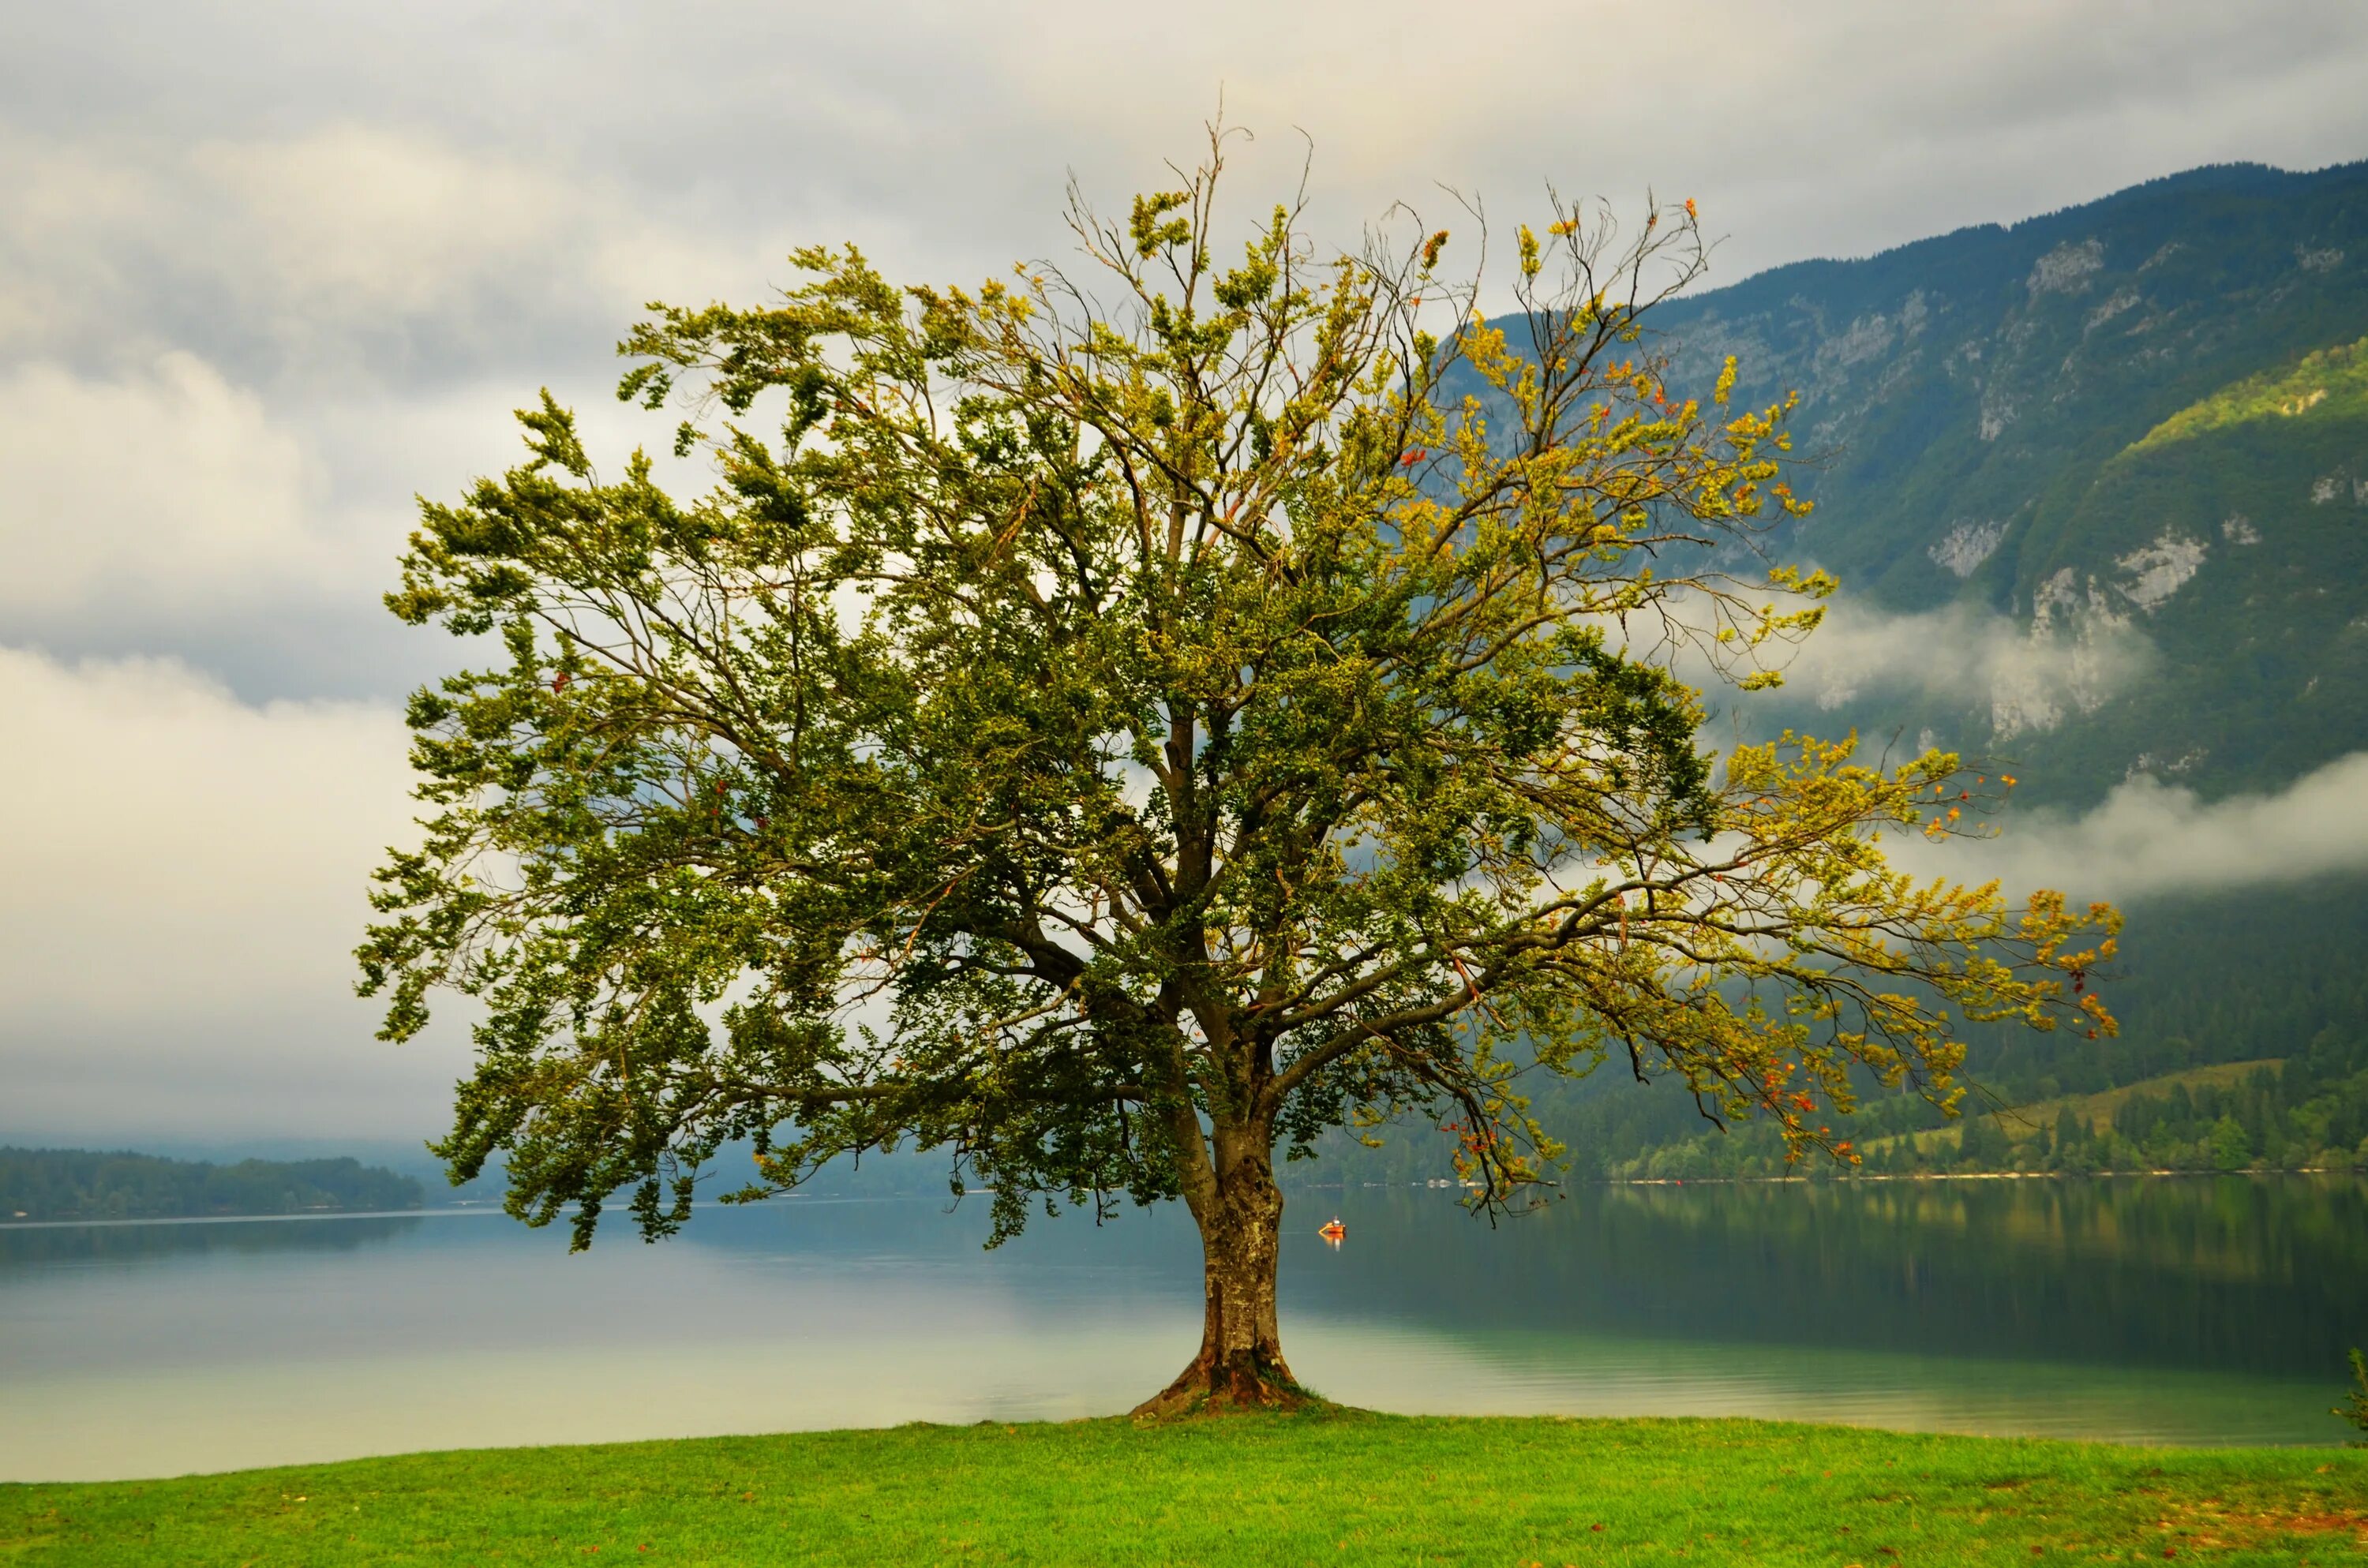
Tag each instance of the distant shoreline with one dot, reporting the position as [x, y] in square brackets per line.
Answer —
[1970, 1176]
[1841, 1178]
[448, 1211]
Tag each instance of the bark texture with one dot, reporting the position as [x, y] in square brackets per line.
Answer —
[1239, 1210]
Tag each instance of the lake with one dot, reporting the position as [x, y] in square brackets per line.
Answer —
[2171, 1310]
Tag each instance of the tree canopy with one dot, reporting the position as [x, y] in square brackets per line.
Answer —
[1114, 721]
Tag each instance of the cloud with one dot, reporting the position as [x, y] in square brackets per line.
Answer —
[1957, 677]
[452, 191]
[342, 254]
[183, 881]
[149, 491]
[2012, 678]
[354, 219]
[164, 510]
[2148, 839]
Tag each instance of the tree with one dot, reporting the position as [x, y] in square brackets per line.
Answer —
[2072, 1141]
[2355, 1408]
[1982, 1144]
[1106, 736]
[2227, 1146]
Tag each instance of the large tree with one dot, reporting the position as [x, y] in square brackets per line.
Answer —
[1107, 726]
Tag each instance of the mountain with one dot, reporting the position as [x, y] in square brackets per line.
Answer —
[2132, 435]
[2096, 486]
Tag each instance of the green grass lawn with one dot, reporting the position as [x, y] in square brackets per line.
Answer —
[1331, 1488]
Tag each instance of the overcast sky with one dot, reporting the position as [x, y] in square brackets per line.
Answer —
[266, 270]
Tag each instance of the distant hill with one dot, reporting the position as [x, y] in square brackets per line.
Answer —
[82, 1184]
[2092, 1116]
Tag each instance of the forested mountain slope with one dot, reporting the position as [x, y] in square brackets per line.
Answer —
[2096, 486]
[2131, 436]
[2262, 975]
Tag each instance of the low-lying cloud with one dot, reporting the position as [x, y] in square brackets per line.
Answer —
[2148, 839]
[2012, 678]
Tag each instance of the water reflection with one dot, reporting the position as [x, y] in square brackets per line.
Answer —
[2162, 1310]
[2231, 1274]
[131, 1241]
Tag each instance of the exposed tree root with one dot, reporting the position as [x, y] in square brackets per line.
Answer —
[1238, 1384]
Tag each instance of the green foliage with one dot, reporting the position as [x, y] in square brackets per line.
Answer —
[80, 1184]
[2355, 1408]
[1247, 1490]
[1104, 742]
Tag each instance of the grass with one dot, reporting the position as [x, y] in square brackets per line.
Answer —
[2333, 380]
[1326, 1488]
[2094, 1111]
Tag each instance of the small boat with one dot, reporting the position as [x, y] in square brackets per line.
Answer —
[1333, 1232]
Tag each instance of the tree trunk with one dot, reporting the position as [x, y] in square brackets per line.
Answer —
[1240, 1365]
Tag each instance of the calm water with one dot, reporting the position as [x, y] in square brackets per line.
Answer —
[2168, 1312]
